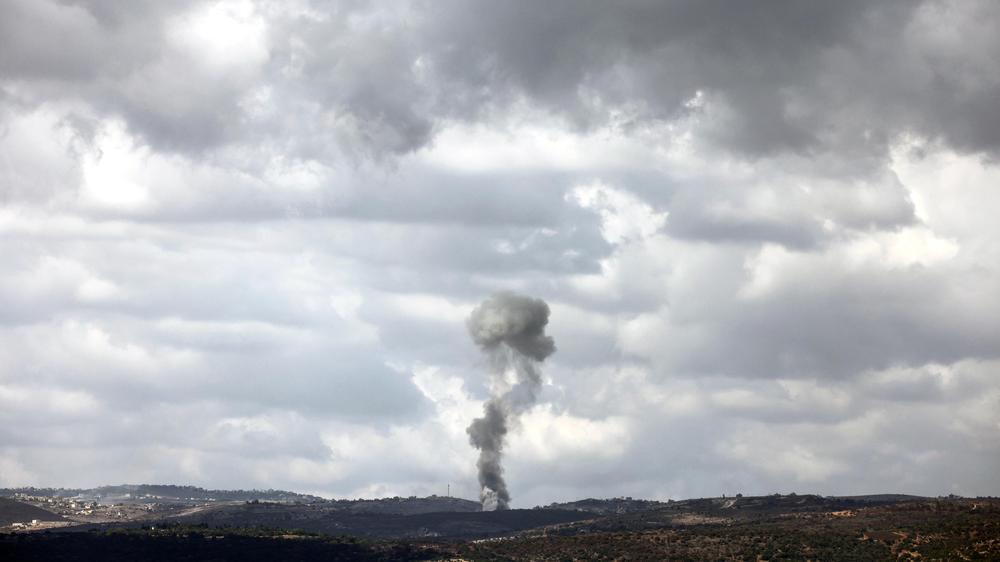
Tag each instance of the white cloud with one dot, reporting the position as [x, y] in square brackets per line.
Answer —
[240, 241]
[624, 217]
[221, 35]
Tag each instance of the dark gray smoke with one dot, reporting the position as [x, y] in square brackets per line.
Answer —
[510, 329]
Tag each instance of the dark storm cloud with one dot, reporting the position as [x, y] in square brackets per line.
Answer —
[653, 54]
[797, 77]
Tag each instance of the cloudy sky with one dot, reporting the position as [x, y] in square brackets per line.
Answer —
[240, 241]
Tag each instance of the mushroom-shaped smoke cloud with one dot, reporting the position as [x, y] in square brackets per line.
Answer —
[510, 329]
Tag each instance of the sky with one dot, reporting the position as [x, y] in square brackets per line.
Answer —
[239, 243]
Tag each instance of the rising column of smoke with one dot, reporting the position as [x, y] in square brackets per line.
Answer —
[510, 329]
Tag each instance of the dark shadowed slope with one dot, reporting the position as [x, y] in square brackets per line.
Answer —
[322, 519]
[194, 544]
[12, 511]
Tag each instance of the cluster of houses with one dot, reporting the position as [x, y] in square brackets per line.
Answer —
[62, 506]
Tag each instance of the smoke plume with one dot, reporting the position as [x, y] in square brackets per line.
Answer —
[510, 329]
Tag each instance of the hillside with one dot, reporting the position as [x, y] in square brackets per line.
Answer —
[948, 529]
[407, 506]
[710, 529]
[323, 518]
[608, 506]
[12, 511]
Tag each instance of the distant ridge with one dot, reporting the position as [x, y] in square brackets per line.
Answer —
[161, 492]
[192, 495]
[883, 498]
